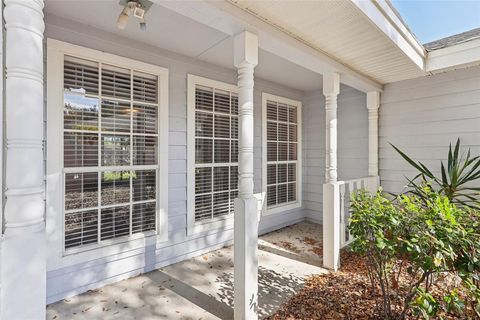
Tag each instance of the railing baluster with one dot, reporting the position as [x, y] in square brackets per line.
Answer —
[349, 213]
[346, 188]
[342, 214]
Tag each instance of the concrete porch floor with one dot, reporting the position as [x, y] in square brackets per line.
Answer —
[202, 287]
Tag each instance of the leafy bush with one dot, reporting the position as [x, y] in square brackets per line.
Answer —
[412, 243]
[458, 177]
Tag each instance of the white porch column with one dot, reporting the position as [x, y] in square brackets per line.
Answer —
[246, 214]
[23, 247]
[331, 194]
[331, 89]
[373, 103]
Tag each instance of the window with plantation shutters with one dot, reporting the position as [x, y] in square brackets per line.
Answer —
[281, 152]
[213, 122]
[110, 148]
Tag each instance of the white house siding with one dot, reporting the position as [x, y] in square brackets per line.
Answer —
[87, 275]
[422, 117]
[352, 144]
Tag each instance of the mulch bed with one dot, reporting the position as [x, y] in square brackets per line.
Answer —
[345, 294]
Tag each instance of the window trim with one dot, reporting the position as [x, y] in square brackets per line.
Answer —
[298, 104]
[56, 51]
[196, 227]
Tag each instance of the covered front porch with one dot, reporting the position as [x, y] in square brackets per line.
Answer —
[202, 287]
[331, 151]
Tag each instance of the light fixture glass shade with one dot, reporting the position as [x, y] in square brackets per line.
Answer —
[143, 25]
[123, 18]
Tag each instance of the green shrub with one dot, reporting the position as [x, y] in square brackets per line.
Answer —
[410, 243]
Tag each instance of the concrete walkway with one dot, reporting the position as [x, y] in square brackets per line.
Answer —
[202, 287]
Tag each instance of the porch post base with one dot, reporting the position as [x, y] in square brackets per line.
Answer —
[373, 183]
[23, 272]
[331, 226]
[245, 259]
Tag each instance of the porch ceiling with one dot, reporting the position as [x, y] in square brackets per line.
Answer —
[177, 33]
[366, 36]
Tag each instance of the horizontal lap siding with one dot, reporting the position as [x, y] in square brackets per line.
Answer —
[87, 275]
[313, 154]
[352, 144]
[352, 135]
[422, 117]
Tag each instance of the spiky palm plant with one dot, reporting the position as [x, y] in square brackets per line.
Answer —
[459, 181]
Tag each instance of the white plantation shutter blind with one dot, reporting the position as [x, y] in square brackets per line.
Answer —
[145, 87]
[216, 152]
[110, 152]
[282, 153]
[81, 74]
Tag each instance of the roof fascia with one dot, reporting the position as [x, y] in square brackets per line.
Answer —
[454, 57]
[381, 14]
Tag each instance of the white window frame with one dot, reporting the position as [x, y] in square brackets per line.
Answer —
[289, 206]
[225, 222]
[58, 256]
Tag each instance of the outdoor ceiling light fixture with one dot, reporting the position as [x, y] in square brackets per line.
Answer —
[137, 8]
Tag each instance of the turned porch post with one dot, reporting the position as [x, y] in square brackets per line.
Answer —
[246, 214]
[373, 103]
[331, 194]
[23, 247]
[331, 89]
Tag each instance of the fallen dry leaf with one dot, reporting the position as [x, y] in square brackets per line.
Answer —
[310, 241]
[317, 250]
[289, 246]
[345, 294]
[85, 310]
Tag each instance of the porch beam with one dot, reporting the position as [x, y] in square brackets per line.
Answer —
[373, 103]
[246, 213]
[23, 247]
[230, 19]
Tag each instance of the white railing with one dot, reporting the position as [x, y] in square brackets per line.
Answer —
[336, 214]
[346, 189]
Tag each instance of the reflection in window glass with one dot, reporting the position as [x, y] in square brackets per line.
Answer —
[81, 228]
[143, 216]
[115, 187]
[282, 153]
[144, 150]
[115, 150]
[115, 116]
[145, 119]
[110, 138]
[144, 185]
[216, 152]
[80, 112]
[80, 149]
[115, 222]
[81, 190]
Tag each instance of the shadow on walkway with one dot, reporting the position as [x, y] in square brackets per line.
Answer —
[273, 289]
[290, 255]
[204, 301]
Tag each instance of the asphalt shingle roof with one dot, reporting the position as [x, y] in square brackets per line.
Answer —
[453, 40]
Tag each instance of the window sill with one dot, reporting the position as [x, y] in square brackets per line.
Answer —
[223, 223]
[281, 208]
[109, 250]
[203, 227]
[109, 243]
